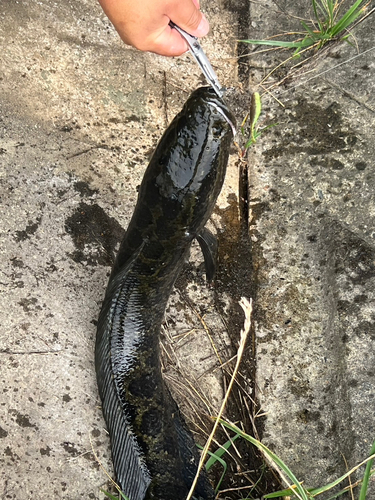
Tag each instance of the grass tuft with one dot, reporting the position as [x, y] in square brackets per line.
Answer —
[295, 487]
[327, 26]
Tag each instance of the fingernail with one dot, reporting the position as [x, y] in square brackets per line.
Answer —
[203, 27]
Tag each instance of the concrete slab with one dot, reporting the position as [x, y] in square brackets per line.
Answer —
[312, 198]
[80, 116]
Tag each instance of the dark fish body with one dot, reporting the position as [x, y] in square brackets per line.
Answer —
[153, 452]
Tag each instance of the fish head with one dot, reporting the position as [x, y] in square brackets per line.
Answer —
[187, 170]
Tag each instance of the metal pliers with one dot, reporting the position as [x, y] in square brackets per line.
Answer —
[201, 58]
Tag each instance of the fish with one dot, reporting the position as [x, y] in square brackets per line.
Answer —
[153, 452]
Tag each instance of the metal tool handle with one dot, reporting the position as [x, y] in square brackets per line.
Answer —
[201, 58]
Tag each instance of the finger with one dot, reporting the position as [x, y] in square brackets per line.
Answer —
[169, 43]
[188, 17]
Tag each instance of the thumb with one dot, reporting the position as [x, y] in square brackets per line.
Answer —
[187, 16]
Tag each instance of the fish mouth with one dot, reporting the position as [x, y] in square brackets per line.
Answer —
[212, 99]
[227, 116]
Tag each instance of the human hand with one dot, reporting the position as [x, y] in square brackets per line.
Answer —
[144, 24]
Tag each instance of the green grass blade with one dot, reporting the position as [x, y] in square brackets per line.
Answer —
[268, 127]
[252, 139]
[249, 143]
[330, 12]
[325, 12]
[323, 9]
[306, 42]
[109, 495]
[215, 456]
[255, 111]
[314, 36]
[274, 43]
[300, 490]
[347, 19]
[215, 459]
[317, 491]
[221, 479]
[317, 15]
[329, 486]
[286, 493]
[339, 493]
[366, 477]
[333, 9]
[223, 464]
[345, 490]
[344, 24]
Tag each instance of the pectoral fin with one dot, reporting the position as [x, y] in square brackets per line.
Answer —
[208, 244]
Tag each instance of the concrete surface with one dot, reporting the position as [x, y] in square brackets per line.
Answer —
[80, 114]
[313, 209]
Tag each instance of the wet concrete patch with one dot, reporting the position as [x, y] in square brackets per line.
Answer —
[30, 229]
[321, 131]
[313, 251]
[94, 233]
[20, 419]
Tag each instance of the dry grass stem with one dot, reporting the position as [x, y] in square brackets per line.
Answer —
[207, 330]
[349, 478]
[330, 69]
[183, 387]
[101, 466]
[247, 308]
[238, 488]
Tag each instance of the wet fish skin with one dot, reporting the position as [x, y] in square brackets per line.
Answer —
[154, 454]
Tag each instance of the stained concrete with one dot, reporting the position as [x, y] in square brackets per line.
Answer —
[312, 209]
[80, 116]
